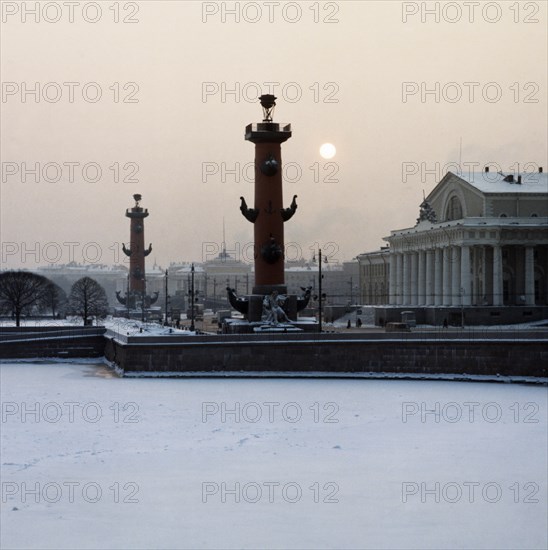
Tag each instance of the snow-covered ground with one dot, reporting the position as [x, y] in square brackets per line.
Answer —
[105, 462]
[131, 327]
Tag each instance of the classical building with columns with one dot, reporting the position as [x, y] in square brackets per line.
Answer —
[481, 241]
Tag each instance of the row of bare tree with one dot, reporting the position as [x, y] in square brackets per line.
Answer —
[25, 293]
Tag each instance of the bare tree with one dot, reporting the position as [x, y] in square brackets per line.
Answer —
[54, 300]
[88, 299]
[20, 292]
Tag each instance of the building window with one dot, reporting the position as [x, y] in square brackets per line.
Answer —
[454, 209]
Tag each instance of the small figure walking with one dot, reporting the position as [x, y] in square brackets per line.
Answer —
[349, 324]
[445, 325]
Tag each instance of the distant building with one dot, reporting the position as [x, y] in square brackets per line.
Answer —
[111, 278]
[481, 240]
[225, 270]
[374, 270]
[340, 280]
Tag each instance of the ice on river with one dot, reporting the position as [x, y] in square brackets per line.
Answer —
[90, 460]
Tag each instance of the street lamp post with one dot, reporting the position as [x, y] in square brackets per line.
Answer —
[205, 289]
[165, 322]
[192, 327]
[143, 302]
[320, 283]
[127, 296]
[320, 277]
[143, 291]
[351, 288]
[188, 287]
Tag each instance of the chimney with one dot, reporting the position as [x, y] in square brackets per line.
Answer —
[486, 169]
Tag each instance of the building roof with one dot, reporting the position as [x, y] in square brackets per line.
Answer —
[378, 252]
[88, 268]
[188, 269]
[494, 182]
[477, 223]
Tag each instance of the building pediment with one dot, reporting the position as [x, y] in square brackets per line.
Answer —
[454, 198]
[489, 194]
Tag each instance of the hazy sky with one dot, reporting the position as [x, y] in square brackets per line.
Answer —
[166, 110]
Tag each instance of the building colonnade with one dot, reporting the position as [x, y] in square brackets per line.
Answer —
[456, 275]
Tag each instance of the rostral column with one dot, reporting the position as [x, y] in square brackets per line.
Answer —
[268, 215]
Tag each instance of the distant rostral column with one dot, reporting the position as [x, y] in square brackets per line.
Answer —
[137, 254]
[268, 216]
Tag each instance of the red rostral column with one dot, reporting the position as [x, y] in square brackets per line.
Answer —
[136, 251]
[268, 214]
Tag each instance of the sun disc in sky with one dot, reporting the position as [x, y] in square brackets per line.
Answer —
[328, 150]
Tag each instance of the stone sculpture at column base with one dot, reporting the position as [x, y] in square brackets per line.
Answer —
[256, 319]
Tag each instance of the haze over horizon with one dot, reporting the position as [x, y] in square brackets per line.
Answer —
[161, 99]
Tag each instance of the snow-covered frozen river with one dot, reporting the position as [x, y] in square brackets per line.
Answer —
[94, 461]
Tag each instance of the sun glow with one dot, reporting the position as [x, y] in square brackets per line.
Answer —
[328, 150]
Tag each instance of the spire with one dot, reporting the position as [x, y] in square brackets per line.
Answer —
[224, 241]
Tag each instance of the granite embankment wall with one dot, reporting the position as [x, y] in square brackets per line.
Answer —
[51, 342]
[505, 353]
[508, 354]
